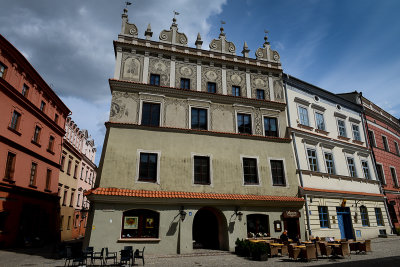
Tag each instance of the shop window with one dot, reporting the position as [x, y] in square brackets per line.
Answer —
[250, 171]
[323, 216]
[257, 223]
[379, 217]
[244, 123]
[151, 114]
[154, 79]
[270, 127]
[211, 87]
[199, 118]
[278, 174]
[201, 170]
[236, 90]
[185, 83]
[10, 166]
[364, 216]
[140, 223]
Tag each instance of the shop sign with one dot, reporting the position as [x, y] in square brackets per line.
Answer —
[291, 214]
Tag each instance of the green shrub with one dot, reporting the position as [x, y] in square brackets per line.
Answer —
[398, 231]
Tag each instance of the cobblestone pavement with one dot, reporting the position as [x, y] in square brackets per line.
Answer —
[386, 252]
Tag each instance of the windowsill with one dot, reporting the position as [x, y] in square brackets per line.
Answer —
[138, 240]
[251, 184]
[304, 126]
[358, 142]
[321, 131]
[33, 186]
[14, 131]
[147, 181]
[50, 151]
[8, 180]
[281, 185]
[202, 183]
[343, 138]
[36, 143]
[47, 190]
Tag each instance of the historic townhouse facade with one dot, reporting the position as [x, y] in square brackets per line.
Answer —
[384, 139]
[196, 153]
[31, 130]
[77, 176]
[335, 167]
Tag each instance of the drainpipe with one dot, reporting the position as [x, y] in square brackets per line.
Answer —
[297, 160]
[365, 124]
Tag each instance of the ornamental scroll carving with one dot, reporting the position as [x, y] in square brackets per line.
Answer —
[161, 67]
[132, 67]
[188, 71]
[168, 36]
[210, 74]
[236, 78]
[259, 81]
[131, 29]
[263, 52]
[223, 46]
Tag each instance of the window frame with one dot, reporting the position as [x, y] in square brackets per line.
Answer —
[260, 91]
[383, 181]
[332, 161]
[3, 70]
[36, 135]
[339, 127]
[9, 169]
[15, 120]
[379, 217]
[142, 102]
[237, 90]
[153, 77]
[371, 134]
[394, 179]
[356, 133]
[207, 109]
[299, 115]
[354, 165]
[25, 90]
[364, 216]
[316, 159]
[197, 155]
[237, 122]
[277, 125]
[42, 106]
[283, 172]
[185, 83]
[385, 142]
[366, 170]
[33, 176]
[138, 153]
[396, 146]
[142, 216]
[256, 158]
[316, 120]
[323, 216]
[212, 87]
[49, 173]
[50, 146]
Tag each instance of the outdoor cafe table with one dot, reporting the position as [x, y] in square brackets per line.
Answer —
[276, 244]
[307, 242]
[300, 247]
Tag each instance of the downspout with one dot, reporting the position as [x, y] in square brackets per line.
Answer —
[365, 124]
[297, 160]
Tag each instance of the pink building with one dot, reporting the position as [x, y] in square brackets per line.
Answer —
[31, 131]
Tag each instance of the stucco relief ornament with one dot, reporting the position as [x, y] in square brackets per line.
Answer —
[183, 39]
[163, 35]
[186, 71]
[236, 78]
[211, 75]
[213, 44]
[117, 109]
[160, 66]
[276, 56]
[133, 31]
[231, 48]
[259, 82]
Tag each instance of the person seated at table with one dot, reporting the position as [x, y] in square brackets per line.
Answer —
[284, 236]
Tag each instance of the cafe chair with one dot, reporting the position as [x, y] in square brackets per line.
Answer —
[110, 256]
[365, 246]
[139, 255]
[354, 246]
[98, 256]
[284, 250]
[126, 257]
[88, 254]
[342, 250]
[309, 253]
[273, 250]
[293, 252]
[325, 250]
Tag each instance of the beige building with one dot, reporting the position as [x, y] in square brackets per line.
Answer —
[335, 167]
[196, 153]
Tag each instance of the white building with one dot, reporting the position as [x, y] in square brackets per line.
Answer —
[335, 167]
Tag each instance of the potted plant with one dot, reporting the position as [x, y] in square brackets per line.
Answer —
[259, 251]
[246, 248]
[239, 247]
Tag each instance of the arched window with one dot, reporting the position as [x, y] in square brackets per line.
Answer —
[364, 216]
[257, 223]
[140, 223]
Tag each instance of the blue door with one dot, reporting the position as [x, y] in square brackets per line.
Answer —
[344, 221]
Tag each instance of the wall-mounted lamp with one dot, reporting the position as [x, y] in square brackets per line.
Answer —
[238, 213]
[182, 213]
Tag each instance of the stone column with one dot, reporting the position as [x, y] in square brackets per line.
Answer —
[118, 63]
[198, 75]
[271, 87]
[224, 89]
[248, 86]
[172, 73]
[146, 67]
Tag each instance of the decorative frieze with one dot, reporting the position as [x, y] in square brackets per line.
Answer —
[236, 78]
[161, 67]
[211, 74]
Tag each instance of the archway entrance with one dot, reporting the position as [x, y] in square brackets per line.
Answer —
[209, 229]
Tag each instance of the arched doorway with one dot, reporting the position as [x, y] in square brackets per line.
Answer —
[210, 229]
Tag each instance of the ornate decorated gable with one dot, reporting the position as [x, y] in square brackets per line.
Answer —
[221, 45]
[173, 36]
[128, 28]
[266, 53]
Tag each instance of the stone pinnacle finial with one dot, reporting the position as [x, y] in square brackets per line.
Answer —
[148, 33]
[198, 42]
[245, 50]
[266, 38]
[222, 28]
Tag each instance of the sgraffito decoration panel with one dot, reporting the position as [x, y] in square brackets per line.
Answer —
[211, 74]
[188, 71]
[161, 67]
[237, 78]
[221, 117]
[176, 113]
[259, 81]
[278, 91]
[132, 67]
[124, 107]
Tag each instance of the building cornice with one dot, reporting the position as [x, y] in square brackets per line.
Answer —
[383, 119]
[317, 192]
[339, 177]
[125, 125]
[72, 149]
[135, 87]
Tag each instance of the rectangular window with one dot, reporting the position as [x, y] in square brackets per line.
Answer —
[211, 87]
[75, 170]
[32, 179]
[42, 105]
[394, 176]
[78, 200]
[65, 197]
[56, 118]
[185, 83]
[312, 159]
[303, 116]
[69, 223]
[250, 171]
[319, 119]
[236, 90]
[51, 143]
[352, 167]
[270, 127]
[330, 165]
[396, 145]
[356, 132]
[342, 128]
[379, 170]
[365, 167]
[371, 138]
[76, 220]
[36, 134]
[69, 167]
[25, 90]
[62, 163]
[379, 217]
[16, 117]
[277, 172]
[260, 94]
[10, 166]
[61, 222]
[199, 118]
[71, 201]
[48, 179]
[151, 114]
[154, 79]
[385, 143]
[323, 216]
[148, 167]
[244, 123]
[364, 216]
[3, 69]
[201, 170]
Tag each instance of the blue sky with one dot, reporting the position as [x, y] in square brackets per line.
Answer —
[338, 45]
